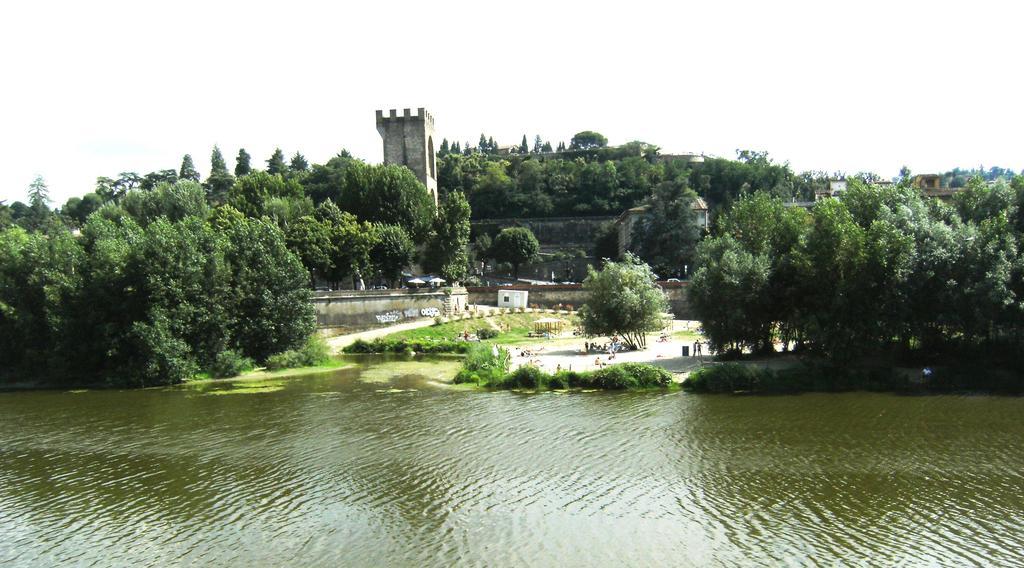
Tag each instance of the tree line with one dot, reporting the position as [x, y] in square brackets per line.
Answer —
[152, 279]
[588, 178]
[882, 271]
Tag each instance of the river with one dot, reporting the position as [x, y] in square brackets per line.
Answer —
[377, 465]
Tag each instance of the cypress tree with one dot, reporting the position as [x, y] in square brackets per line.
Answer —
[188, 169]
[242, 166]
[299, 163]
[276, 165]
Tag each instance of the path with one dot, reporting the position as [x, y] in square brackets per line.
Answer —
[339, 342]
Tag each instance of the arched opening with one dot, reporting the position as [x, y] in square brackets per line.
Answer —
[430, 154]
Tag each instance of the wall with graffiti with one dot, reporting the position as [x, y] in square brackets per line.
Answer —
[352, 309]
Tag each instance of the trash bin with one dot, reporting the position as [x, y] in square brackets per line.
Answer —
[686, 350]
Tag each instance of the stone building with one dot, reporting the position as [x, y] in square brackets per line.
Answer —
[409, 141]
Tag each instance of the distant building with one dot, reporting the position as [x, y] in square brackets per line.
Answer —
[931, 186]
[836, 188]
[630, 217]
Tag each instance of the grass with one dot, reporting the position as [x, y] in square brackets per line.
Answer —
[519, 326]
[263, 373]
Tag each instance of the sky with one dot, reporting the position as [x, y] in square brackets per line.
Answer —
[95, 88]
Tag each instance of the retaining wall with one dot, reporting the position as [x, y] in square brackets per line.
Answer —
[360, 309]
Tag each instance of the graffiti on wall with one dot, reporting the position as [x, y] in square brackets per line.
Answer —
[395, 315]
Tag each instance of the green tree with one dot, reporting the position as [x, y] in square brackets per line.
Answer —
[153, 179]
[587, 140]
[391, 252]
[524, 147]
[388, 194]
[220, 181]
[298, 163]
[327, 181]
[447, 249]
[606, 243]
[276, 164]
[516, 246]
[242, 163]
[310, 240]
[250, 194]
[38, 194]
[728, 292]
[667, 233]
[270, 298]
[188, 169]
[623, 299]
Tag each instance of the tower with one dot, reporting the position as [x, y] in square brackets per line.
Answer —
[409, 141]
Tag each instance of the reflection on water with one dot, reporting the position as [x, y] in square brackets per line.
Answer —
[378, 465]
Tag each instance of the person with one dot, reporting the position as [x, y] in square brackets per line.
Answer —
[465, 334]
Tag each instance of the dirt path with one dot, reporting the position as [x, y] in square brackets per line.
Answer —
[339, 342]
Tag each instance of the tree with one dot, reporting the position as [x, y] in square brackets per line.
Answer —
[447, 250]
[39, 204]
[623, 299]
[270, 299]
[538, 145]
[188, 169]
[327, 181]
[298, 163]
[250, 194]
[388, 194]
[220, 181]
[667, 232]
[587, 140]
[728, 292]
[515, 245]
[310, 239]
[242, 163]
[524, 148]
[153, 179]
[606, 243]
[391, 252]
[275, 164]
[38, 194]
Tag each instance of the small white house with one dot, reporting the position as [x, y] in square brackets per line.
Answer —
[513, 298]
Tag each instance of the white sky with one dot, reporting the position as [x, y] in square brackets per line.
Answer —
[95, 88]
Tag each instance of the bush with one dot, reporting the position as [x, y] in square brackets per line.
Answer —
[384, 345]
[230, 363]
[484, 365]
[615, 377]
[314, 352]
[486, 333]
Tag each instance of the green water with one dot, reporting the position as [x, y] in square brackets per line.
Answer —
[377, 465]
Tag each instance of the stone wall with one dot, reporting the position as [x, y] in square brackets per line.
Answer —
[574, 295]
[362, 309]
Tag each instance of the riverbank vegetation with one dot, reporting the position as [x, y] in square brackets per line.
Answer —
[881, 274]
[821, 376]
[156, 279]
[488, 366]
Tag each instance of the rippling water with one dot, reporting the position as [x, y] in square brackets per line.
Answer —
[376, 465]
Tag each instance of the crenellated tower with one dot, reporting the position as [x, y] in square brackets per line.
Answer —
[409, 141]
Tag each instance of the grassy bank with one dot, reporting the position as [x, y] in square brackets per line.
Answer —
[820, 377]
[509, 329]
[488, 366]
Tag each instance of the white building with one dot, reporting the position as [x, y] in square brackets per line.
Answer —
[513, 298]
